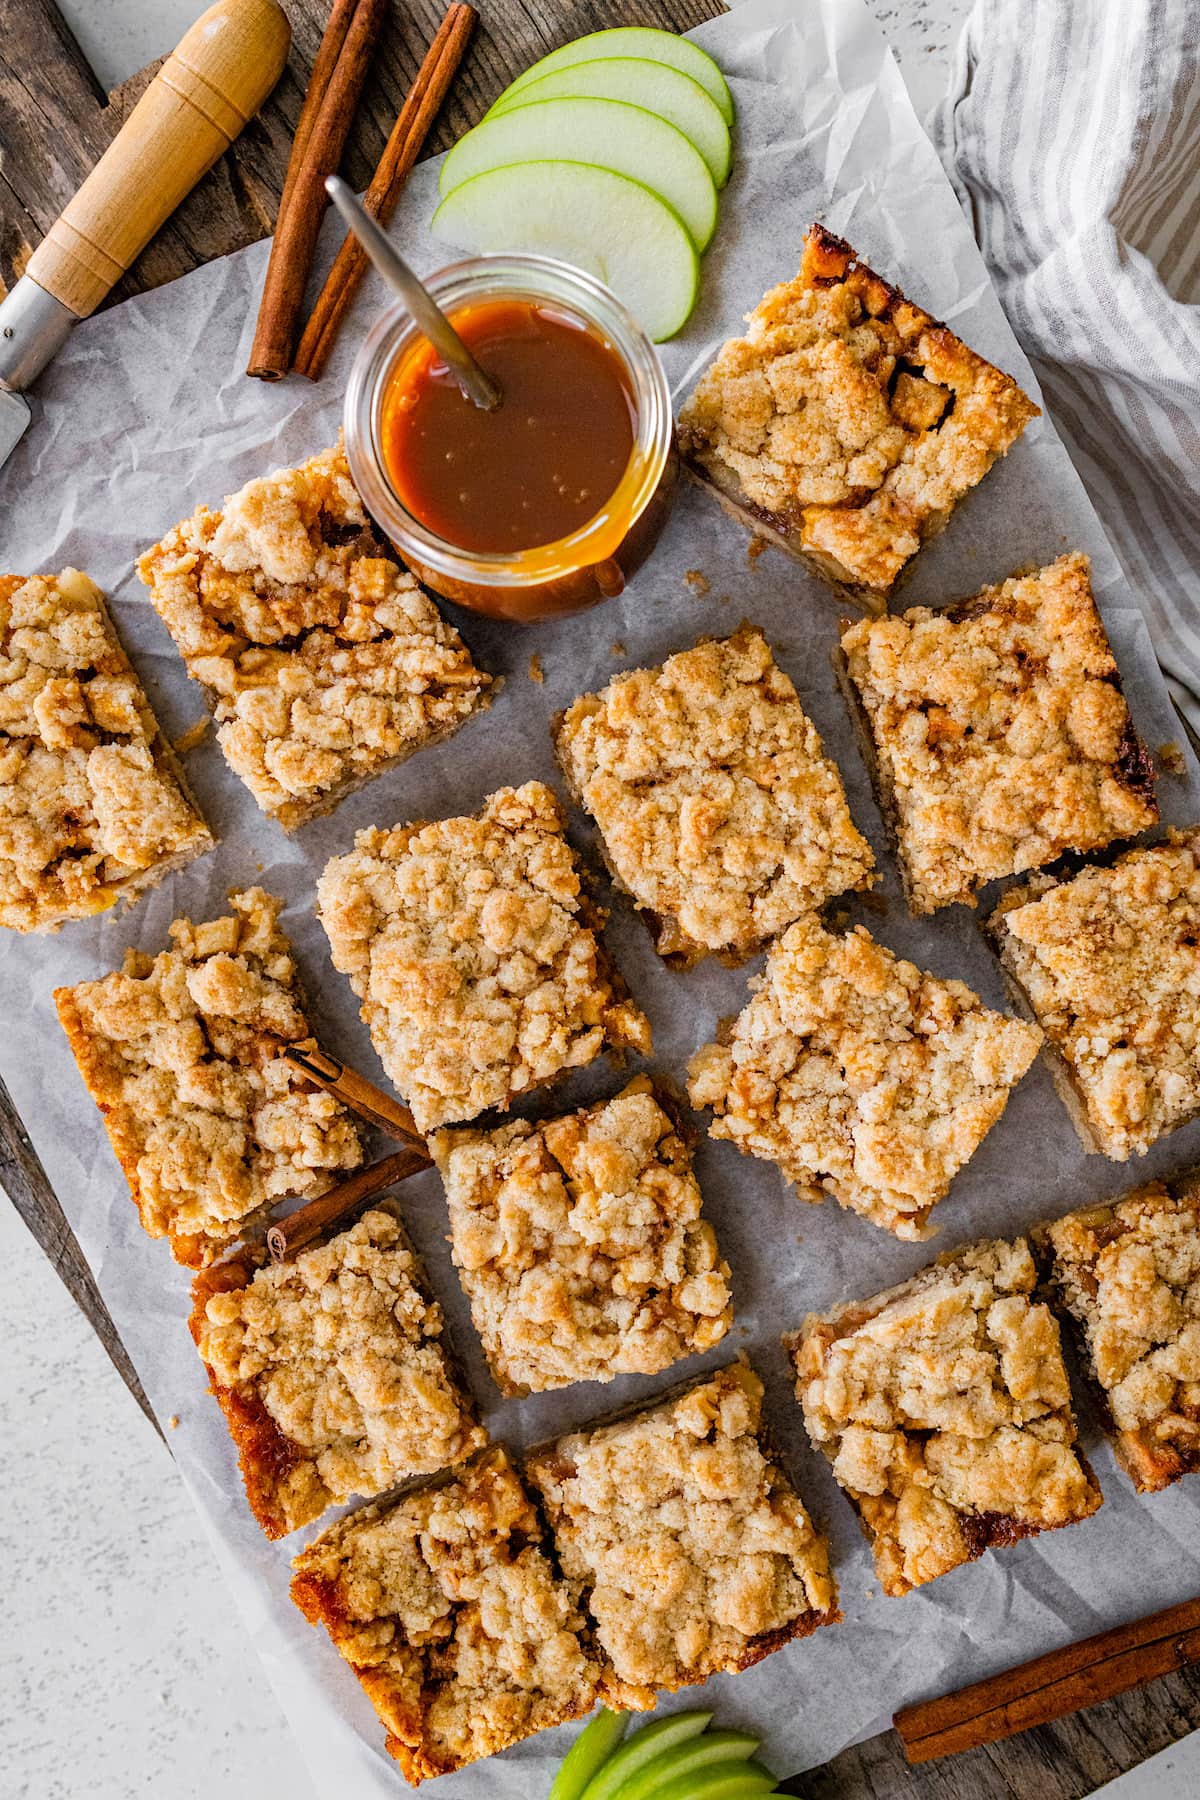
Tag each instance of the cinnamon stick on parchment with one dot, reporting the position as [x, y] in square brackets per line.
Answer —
[1052, 1686]
[289, 1236]
[403, 147]
[325, 118]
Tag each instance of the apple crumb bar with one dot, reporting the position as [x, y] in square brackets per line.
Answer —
[683, 1538]
[93, 805]
[581, 1245]
[183, 1054]
[475, 955]
[997, 733]
[719, 811]
[1108, 962]
[331, 1372]
[847, 424]
[448, 1611]
[322, 659]
[944, 1408]
[1128, 1273]
[861, 1075]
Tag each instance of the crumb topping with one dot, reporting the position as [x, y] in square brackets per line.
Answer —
[91, 806]
[1130, 1275]
[342, 1350]
[719, 811]
[469, 943]
[861, 1075]
[182, 1053]
[323, 660]
[944, 1407]
[1110, 963]
[1001, 732]
[449, 1613]
[849, 418]
[581, 1246]
[691, 1550]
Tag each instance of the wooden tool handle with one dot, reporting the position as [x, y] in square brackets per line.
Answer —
[217, 78]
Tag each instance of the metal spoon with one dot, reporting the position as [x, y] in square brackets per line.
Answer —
[477, 386]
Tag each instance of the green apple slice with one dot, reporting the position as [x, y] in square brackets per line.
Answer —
[676, 98]
[590, 1751]
[604, 223]
[712, 1750]
[609, 133]
[724, 1781]
[643, 1747]
[642, 41]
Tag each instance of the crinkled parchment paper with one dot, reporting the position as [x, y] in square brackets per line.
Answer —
[147, 412]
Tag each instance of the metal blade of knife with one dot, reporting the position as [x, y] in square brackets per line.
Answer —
[33, 327]
[14, 417]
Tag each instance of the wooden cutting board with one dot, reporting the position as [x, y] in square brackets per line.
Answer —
[54, 123]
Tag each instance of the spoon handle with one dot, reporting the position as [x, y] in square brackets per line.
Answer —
[430, 319]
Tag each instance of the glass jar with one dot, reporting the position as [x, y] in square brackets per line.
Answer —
[595, 561]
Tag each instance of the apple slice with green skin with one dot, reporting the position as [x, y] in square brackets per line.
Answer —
[676, 98]
[642, 41]
[725, 1781]
[604, 223]
[609, 133]
[642, 1748]
[590, 1751]
[713, 1749]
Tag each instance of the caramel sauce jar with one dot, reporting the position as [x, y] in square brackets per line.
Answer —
[594, 562]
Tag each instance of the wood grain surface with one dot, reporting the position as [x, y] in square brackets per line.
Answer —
[48, 97]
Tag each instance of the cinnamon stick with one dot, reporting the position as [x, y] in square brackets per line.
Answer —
[291, 1235]
[359, 1094]
[325, 118]
[403, 147]
[1052, 1686]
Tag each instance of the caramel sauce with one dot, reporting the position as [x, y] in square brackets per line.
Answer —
[539, 467]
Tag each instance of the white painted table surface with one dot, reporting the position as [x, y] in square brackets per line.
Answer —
[123, 1668]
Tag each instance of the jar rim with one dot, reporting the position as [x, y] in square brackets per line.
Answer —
[512, 276]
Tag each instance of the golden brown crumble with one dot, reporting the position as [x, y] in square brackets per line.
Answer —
[698, 581]
[944, 1407]
[193, 737]
[1109, 962]
[448, 1612]
[183, 1054]
[719, 810]
[536, 672]
[471, 947]
[683, 1538]
[847, 421]
[998, 733]
[861, 1075]
[323, 661]
[1129, 1274]
[92, 805]
[331, 1373]
[580, 1243]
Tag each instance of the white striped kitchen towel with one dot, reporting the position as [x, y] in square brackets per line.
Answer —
[1072, 133]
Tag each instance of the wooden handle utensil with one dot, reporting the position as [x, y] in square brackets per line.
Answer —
[217, 78]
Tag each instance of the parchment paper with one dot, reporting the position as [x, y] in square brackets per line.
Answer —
[147, 412]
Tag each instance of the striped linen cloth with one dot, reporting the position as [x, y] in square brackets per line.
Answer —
[1072, 134]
